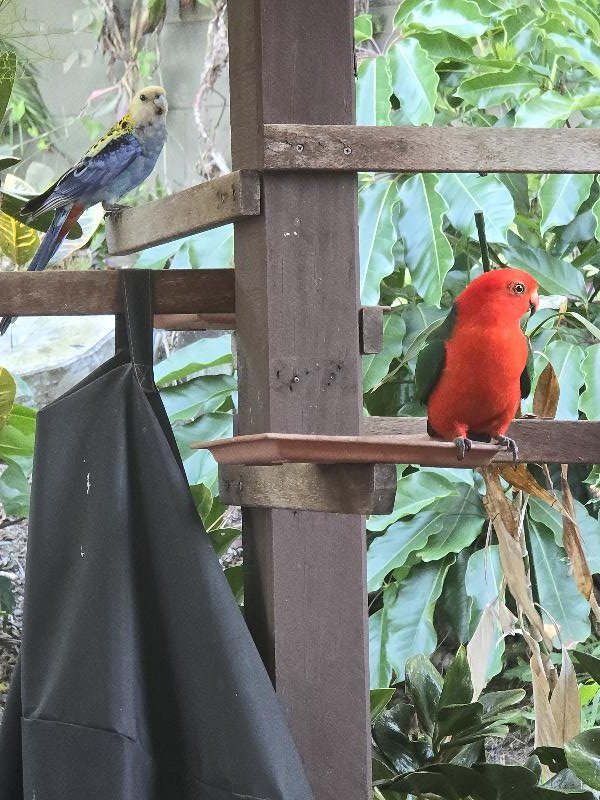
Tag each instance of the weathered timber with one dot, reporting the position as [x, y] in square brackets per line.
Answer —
[370, 329]
[356, 148]
[61, 292]
[195, 322]
[207, 205]
[299, 372]
[540, 441]
[340, 488]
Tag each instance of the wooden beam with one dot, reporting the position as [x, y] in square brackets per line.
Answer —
[370, 329]
[356, 148]
[539, 440]
[195, 322]
[299, 372]
[207, 205]
[339, 488]
[62, 292]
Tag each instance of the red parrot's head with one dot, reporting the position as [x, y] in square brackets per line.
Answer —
[508, 293]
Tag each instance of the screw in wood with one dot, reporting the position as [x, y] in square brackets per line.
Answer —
[347, 151]
[299, 147]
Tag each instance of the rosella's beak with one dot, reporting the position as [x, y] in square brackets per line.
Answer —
[534, 302]
[161, 101]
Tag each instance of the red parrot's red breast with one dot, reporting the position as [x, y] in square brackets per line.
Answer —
[479, 387]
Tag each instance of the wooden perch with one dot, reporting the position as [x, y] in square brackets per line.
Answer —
[59, 292]
[353, 148]
[207, 205]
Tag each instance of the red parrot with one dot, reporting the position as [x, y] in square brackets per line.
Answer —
[475, 366]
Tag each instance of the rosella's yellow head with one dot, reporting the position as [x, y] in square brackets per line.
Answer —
[148, 107]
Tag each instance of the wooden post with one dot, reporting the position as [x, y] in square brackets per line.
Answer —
[299, 371]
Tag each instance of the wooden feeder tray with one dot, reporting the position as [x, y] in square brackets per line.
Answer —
[284, 448]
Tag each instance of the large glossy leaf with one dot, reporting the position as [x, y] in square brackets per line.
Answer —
[410, 614]
[551, 109]
[202, 395]
[492, 88]
[414, 492]
[363, 28]
[424, 687]
[18, 241]
[467, 193]
[427, 251]
[561, 603]
[583, 756]
[460, 17]
[11, 205]
[462, 519]
[375, 367]
[458, 687]
[376, 236]
[589, 528]
[554, 275]
[440, 45]
[14, 491]
[373, 92]
[380, 671]
[589, 400]
[566, 358]
[483, 582]
[379, 699]
[391, 734]
[205, 353]
[414, 81]
[200, 466]
[18, 434]
[561, 196]
[580, 49]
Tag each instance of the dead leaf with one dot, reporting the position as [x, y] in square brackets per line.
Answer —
[565, 703]
[507, 527]
[484, 639]
[546, 731]
[547, 393]
[521, 478]
[574, 546]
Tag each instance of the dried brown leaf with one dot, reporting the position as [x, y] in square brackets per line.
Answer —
[547, 393]
[565, 702]
[546, 730]
[484, 639]
[507, 527]
[521, 478]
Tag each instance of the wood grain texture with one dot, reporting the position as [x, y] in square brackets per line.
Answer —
[341, 489]
[299, 371]
[370, 330]
[62, 292]
[195, 322]
[539, 440]
[430, 149]
[207, 205]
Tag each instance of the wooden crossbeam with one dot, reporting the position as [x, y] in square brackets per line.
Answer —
[60, 292]
[353, 148]
[540, 440]
[339, 488]
[207, 205]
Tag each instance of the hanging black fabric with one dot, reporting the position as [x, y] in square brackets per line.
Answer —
[138, 679]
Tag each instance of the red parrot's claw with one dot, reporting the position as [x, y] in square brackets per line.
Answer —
[463, 445]
[510, 444]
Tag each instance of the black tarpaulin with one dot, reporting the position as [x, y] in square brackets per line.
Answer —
[138, 679]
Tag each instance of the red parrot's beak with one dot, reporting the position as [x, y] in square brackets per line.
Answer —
[534, 302]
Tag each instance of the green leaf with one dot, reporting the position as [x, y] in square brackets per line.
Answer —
[566, 358]
[18, 241]
[465, 194]
[203, 499]
[392, 550]
[18, 434]
[494, 702]
[561, 196]
[377, 236]
[441, 45]
[458, 718]
[379, 699]
[583, 756]
[427, 251]
[589, 400]
[517, 185]
[460, 17]
[376, 366]
[14, 491]
[222, 539]
[195, 357]
[410, 614]
[462, 519]
[202, 395]
[560, 601]
[483, 582]
[580, 49]
[380, 672]
[554, 275]
[424, 687]
[8, 68]
[414, 81]
[12, 205]
[7, 596]
[8, 161]
[235, 579]
[551, 109]
[414, 492]
[200, 466]
[363, 28]
[390, 733]
[493, 88]
[587, 663]
[373, 92]
[8, 389]
[458, 688]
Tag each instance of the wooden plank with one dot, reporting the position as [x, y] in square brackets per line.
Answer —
[195, 322]
[370, 329]
[430, 149]
[539, 440]
[62, 292]
[339, 488]
[207, 205]
[299, 372]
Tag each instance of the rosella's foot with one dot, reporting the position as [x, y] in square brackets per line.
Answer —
[510, 444]
[463, 445]
[113, 208]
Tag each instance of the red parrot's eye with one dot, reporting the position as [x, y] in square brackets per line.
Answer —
[518, 288]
